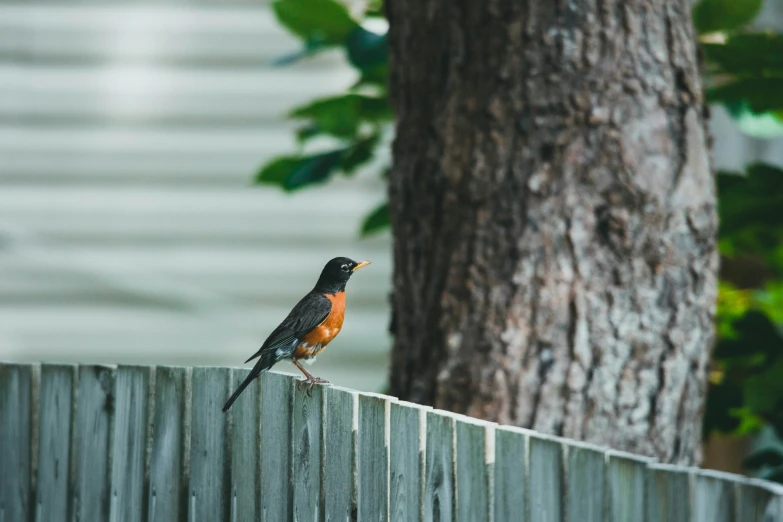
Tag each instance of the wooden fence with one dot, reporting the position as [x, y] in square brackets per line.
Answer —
[136, 443]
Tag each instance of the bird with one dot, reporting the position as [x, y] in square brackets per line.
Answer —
[312, 324]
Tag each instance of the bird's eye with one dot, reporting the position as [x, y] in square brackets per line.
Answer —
[345, 268]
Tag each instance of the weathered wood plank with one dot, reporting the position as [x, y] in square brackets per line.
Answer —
[545, 478]
[373, 458]
[209, 446]
[475, 458]
[585, 482]
[713, 496]
[91, 443]
[407, 425]
[340, 459]
[308, 440]
[16, 390]
[439, 481]
[511, 484]
[131, 422]
[168, 489]
[758, 501]
[627, 478]
[55, 411]
[277, 402]
[245, 451]
[668, 493]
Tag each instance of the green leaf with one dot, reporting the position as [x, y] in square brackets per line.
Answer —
[724, 15]
[376, 221]
[748, 54]
[764, 126]
[366, 49]
[325, 21]
[294, 172]
[276, 171]
[315, 169]
[749, 209]
[764, 391]
[760, 94]
[341, 116]
[359, 153]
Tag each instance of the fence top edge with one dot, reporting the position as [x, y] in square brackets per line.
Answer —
[624, 455]
[663, 466]
[413, 405]
[772, 487]
[719, 475]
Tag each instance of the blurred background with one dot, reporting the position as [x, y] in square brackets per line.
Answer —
[131, 230]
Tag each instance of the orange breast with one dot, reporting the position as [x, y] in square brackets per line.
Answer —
[315, 341]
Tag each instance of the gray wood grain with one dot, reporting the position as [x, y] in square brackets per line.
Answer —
[16, 384]
[585, 483]
[132, 390]
[713, 496]
[758, 501]
[668, 493]
[545, 479]
[55, 410]
[373, 458]
[209, 446]
[407, 422]
[308, 440]
[475, 457]
[170, 450]
[439, 480]
[340, 458]
[627, 477]
[91, 443]
[511, 474]
[277, 401]
[245, 451]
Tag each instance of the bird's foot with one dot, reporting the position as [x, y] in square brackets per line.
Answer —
[312, 381]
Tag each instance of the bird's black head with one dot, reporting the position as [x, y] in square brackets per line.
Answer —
[336, 273]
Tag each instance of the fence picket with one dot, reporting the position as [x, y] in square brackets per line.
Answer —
[277, 401]
[170, 450]
[439, 480]
[55, 410]
[245, 451]
[307, 457]
[16, 396]
[373, 458]
[627, 478]
[475, 458]
[341, 441]
[209, 446]
[406, 451]
[131, 401]
[713, 496]
[545, 478]
[668, 493]
[511, 483]
[757, 501]
[91, 443]
[585, 482]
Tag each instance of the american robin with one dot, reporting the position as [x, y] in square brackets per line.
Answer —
[311, 325]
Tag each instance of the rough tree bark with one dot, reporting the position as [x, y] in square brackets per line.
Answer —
[554, 217]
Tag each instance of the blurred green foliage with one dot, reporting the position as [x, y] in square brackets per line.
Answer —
[743, 72]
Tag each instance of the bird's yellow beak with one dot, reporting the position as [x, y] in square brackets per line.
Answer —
[361, 264]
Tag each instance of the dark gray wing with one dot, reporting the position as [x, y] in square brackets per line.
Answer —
[308, 313]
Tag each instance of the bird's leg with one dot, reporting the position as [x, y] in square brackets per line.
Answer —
[308, 378]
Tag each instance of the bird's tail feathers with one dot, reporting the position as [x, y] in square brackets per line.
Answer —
[265, 362]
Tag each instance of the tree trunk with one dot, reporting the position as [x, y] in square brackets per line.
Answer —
[554, 217]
